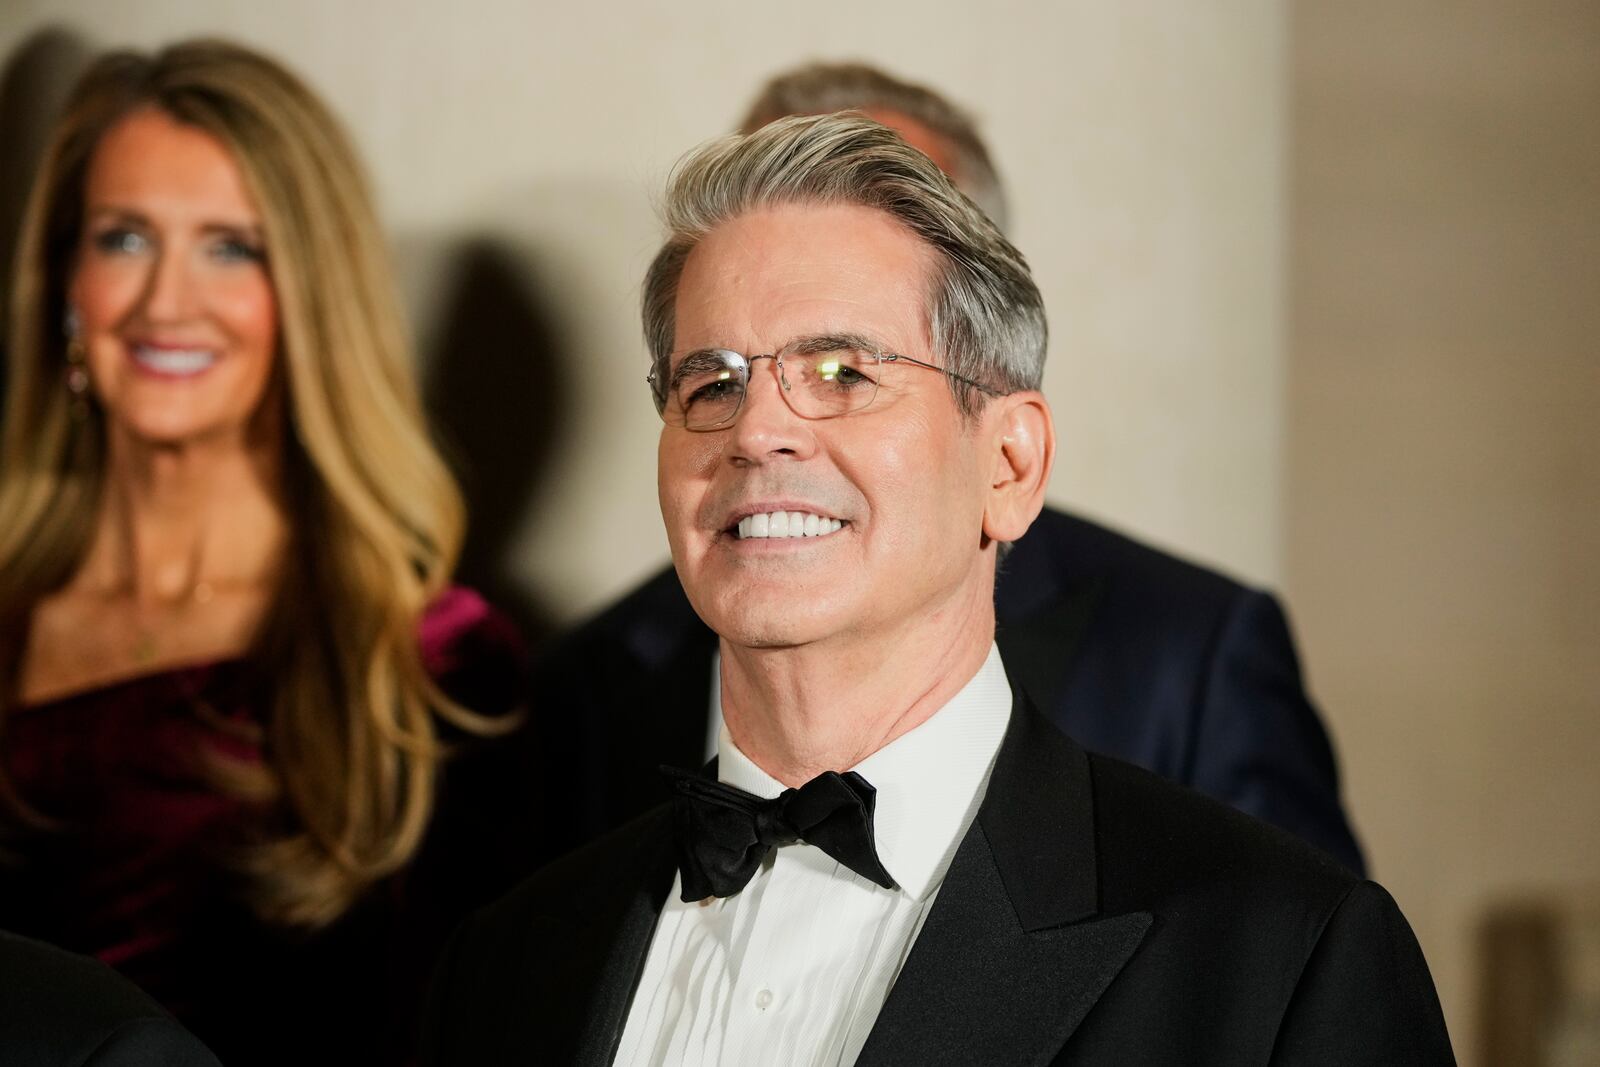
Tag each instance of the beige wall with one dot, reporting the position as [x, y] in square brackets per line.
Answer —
[1443, 498]
[517, 146]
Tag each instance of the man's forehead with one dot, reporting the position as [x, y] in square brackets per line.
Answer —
[768, 275]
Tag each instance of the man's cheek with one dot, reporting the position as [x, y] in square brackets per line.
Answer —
[679, 530]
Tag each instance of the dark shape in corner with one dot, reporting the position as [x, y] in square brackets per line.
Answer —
[34, 82]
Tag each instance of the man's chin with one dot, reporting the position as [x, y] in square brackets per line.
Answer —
[765, 634]
[769, 607]
[782, 624]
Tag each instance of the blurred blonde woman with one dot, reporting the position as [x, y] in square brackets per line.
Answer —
[230, 658]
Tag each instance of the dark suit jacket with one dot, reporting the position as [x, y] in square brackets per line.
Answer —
[1093, 914]
[58, 1009]
[1131, 652]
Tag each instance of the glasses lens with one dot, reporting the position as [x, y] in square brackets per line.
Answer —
[706, 389]
[828, 381]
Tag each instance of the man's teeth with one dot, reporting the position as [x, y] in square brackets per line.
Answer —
[787, 524]
[174, 360]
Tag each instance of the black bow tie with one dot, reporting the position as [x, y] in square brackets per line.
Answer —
[724, 833]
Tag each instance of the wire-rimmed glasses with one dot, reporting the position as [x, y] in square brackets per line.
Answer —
[820, 377]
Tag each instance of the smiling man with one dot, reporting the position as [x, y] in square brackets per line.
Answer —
[894, 859]
[1132, 652]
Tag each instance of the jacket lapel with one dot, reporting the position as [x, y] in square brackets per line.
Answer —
[630, 928]
[1014, 953]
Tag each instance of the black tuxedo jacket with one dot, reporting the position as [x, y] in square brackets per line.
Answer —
[1093, 914]
[58, 1009]
[1131, 652]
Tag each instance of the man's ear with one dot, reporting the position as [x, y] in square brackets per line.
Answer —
[1022, 442]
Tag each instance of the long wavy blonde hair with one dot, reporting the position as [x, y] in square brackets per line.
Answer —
[350, 738]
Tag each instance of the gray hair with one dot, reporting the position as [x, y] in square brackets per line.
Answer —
[985, 314]
[822, 88]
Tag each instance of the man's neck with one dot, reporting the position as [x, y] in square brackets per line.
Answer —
[799, 711]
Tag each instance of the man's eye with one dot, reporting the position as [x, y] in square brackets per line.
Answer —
[842, 371]
[718, 390]
[120, 241]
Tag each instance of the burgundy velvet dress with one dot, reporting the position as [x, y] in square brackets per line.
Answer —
[132, 873]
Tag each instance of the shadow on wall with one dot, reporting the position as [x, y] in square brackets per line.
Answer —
[34, 81]
[527, 314]
[494, 388]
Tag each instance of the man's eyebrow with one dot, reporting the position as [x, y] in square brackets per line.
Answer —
[697, 362]
[829, 342]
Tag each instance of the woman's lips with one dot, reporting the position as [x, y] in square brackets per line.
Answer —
[173, 362]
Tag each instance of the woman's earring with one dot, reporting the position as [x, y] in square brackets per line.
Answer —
[77, 364]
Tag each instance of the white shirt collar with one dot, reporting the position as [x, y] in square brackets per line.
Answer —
[929, 780]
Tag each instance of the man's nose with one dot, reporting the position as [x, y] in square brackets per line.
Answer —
[767, 426]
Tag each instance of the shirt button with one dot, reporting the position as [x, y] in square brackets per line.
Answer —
[764, 999]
